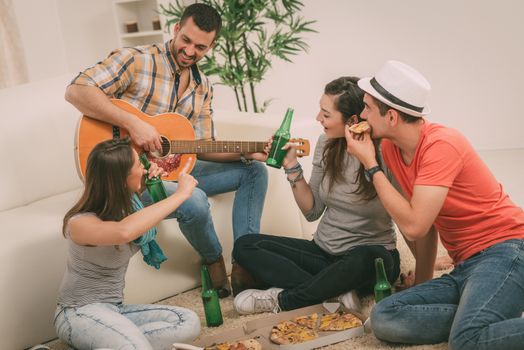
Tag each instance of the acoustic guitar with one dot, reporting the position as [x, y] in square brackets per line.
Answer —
[177, 138]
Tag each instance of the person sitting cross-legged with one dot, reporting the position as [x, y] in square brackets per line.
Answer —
[355, 229]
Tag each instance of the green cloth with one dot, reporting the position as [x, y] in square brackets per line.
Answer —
[153, 254]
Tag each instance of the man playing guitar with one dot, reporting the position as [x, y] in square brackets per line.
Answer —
[165, 78]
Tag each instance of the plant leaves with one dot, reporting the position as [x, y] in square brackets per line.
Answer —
[253, 32]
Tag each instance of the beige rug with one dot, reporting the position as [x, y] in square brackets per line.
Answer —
[191, 299]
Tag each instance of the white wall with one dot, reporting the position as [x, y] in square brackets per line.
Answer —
[62, 36]
[41, 34]
[470, 50]
[89, 31]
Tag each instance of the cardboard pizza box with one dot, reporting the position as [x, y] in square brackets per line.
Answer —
[260, 329]
[226, 336]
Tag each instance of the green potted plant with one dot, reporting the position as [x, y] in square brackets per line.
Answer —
[253, 32]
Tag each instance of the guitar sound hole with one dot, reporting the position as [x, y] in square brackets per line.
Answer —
[166, 146]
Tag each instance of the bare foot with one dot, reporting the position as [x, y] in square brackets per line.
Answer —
[443, 262]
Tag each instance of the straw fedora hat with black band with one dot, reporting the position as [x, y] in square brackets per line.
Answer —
[399, 86]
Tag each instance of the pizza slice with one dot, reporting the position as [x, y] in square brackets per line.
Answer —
[221, 346]
[326, 320]
[288, 332]
[359, 128]
[309, 321]
[339, 322]
[248, 344]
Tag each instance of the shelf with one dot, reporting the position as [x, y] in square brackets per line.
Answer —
[141, 34]
[143, 13]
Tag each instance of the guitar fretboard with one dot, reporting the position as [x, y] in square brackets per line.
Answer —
[216, 146]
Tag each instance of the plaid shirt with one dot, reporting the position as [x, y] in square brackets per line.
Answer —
[148, 78]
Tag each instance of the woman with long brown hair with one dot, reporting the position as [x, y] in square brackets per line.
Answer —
[354, 229]
[101, 229]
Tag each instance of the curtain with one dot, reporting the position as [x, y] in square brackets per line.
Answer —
[13, 67]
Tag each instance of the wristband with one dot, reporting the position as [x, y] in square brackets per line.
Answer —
[296, 179]
[371, 171]
[293, 169]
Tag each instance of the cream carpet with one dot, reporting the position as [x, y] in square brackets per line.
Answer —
[191, 299]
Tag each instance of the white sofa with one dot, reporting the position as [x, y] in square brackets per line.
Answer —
[39, 183]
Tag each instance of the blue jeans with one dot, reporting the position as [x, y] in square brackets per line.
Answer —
[194, 217]
[125, 327]
[477, 306]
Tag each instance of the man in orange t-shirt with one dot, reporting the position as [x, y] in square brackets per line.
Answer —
[446, 189]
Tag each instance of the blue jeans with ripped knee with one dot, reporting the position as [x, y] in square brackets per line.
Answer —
[125, 327]
[477, 306]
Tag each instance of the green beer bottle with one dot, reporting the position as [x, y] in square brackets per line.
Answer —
[210, 300]
[382, 286]
[276, 154]
[154, 185]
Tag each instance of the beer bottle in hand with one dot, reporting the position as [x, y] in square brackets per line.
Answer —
[276, 154]
[210, 300]
[382, 285]
[154, 185]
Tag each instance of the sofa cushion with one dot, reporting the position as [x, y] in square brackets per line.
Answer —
[32, 264]
[39, 183]
[37, 143]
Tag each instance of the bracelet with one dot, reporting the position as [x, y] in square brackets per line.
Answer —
[368, 173]
[293, 169]
[293, 181]
[244, 160]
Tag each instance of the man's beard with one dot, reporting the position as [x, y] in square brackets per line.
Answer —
[178, 55]
[188, 60]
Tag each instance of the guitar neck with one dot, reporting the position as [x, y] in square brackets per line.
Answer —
[180, 147]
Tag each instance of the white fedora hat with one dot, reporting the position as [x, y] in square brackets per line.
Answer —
[399, 86]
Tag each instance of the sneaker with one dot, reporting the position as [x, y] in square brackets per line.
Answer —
[253, 301]
[350, 300]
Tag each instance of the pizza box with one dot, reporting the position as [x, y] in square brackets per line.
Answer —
[260, 329]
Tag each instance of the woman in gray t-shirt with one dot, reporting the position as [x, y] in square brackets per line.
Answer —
[100, 230]
[354, 228]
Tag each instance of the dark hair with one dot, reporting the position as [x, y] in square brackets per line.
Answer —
[105, 189]
[204, 16]
[384, 108]
[349, 101]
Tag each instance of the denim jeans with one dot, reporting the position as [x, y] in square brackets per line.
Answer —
[477, 306]
[194, 217]
[307, 273]
[125, 327]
